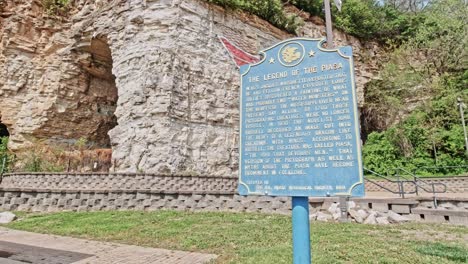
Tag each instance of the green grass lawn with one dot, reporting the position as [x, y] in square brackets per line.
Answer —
[259, 238]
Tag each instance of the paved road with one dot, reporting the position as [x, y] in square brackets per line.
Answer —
[19, 247]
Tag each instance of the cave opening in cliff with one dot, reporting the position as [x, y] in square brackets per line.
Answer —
[3, 130]
[103, 89]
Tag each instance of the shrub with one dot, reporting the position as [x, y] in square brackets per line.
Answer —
[5, 156]
[55, 7]
[270, 10]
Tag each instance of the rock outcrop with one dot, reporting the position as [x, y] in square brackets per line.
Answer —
[149, 78]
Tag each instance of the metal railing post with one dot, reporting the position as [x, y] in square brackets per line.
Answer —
[434, 196]
[400, 186]
[416, 184]
[465, 134]
[402, 189]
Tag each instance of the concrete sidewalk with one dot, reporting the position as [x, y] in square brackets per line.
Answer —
[19, 247]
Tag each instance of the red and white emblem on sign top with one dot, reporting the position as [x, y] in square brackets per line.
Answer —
[239, 56]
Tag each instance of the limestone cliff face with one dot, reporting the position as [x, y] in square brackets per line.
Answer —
[153, 72]
[47, 90]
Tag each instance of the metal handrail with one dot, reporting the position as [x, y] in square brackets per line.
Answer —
[418, 180]
[401, 190]
[402, 179]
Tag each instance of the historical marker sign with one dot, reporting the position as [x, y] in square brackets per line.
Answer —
[299, 122]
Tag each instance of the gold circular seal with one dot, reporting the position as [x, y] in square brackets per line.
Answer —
[291, 54]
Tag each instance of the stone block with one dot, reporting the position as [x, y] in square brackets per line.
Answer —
[39, 209]
[396, 218]
[458, 220]
[62, 202]
[323, 217]
[380, 207]
[146, 202]
[382, 220]
[371, 219]
[356, 216]
[76, 202]
[363, 213]
[414, 217]
[447, 205]
[401, 208]
[327, 204]
[434, 218]
[7, 217]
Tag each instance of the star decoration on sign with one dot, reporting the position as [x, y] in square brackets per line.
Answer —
[311, 53]
[272, 60]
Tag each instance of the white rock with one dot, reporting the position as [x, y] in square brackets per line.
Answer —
[323, 217]
[333, 209]
[351, 205]
[356, 216]
[370, 219]
[382, 220]
[373, 212]
[7, 217]
[362, 213]
[396, 218]
[336, 216]
[381, 214]
[313, 217]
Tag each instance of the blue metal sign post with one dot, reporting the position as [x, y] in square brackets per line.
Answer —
[299, 129]
[301, 230]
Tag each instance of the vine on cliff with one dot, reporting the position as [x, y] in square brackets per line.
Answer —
[55, 7]
[270, 10]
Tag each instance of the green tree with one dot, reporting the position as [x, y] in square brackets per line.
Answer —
[414, 101]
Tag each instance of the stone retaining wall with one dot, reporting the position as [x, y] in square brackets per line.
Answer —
[43, 200]
[454, 185]
[45, 192]
[49, 192]
[120, 181]
[155, 182]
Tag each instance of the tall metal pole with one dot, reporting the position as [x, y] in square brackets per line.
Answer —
[329, 29]
[300, 210]
[301, 230]
[328, 23]
[461, 105]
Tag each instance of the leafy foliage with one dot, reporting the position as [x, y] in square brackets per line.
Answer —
[366, 19]
[40, 159]
[5, 156]
[55, 7]
[387, 21]
[45, 157]
[270, 10]
[425, 75]
[442, 37]
[314, 7]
